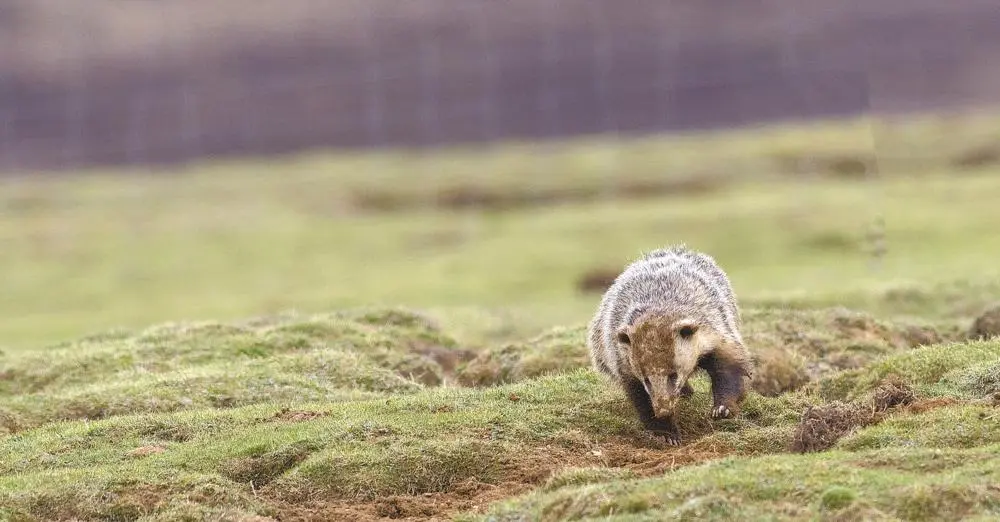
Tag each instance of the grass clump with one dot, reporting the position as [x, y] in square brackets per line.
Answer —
[555, 351]
[948, 426]
[837, 498]
[949, 369]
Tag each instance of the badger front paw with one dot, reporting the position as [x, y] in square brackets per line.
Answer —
[721, 412]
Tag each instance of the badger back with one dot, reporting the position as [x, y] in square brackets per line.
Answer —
[678, 281]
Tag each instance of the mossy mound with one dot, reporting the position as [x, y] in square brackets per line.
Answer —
[558, 350]
[350, 355]
[958, 370]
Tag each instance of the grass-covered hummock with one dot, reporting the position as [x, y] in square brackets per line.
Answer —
[352, 355]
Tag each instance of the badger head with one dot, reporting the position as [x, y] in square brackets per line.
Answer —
[663, 351]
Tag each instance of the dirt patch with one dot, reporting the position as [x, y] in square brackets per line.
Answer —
[979, 157]
[930, 404]
[288, 415]
[648, 462]
[144, 451]
[596, 281]
[822, 426]
[987, 325]
[461, 197]
[914, 336]
[793, 346]
[844, 165]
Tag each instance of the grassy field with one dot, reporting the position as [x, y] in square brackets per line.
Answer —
[349, 336]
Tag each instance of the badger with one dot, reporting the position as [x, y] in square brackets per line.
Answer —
[667, 314]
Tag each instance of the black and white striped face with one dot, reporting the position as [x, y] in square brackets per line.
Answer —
[663, 352]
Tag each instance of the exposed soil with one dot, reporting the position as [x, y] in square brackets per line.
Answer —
[890, 393]
[460, 197]
[925, 405]
[822, 426]
[297, 415]
[144, 451]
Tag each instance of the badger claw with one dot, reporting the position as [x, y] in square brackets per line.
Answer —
[671, 439]
[721, 412]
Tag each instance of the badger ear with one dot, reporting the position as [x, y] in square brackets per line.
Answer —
[623, 337]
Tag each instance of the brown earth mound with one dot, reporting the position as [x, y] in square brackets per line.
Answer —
[822, 426]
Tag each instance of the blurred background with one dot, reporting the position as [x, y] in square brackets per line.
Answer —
[492, 163]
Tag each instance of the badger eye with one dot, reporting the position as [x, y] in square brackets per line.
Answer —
[686, 332]
[623, 338]
[672, 376]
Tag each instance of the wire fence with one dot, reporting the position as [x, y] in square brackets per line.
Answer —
[439, 72]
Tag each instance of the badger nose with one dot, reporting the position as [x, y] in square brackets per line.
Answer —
[664, 407]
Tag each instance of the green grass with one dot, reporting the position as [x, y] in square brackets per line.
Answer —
[229, 240]
[341, 341]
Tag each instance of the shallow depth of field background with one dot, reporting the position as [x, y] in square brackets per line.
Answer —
[490, 164]
[184, 161]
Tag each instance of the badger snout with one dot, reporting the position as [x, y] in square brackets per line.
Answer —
[664, 408]
[664, 395]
